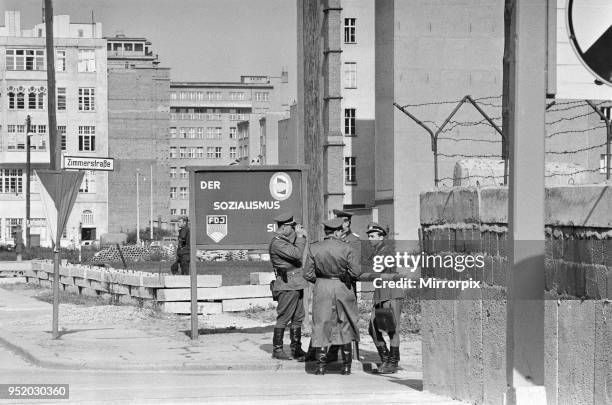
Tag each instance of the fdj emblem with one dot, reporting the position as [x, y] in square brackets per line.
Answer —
[281, 186]
[216, 227]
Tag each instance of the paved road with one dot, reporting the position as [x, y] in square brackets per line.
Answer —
[287, 387]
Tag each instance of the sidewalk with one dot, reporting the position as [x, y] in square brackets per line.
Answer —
[121, 338]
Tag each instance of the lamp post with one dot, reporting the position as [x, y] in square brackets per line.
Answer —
[28, 174]
[137, 208]
[151, 208]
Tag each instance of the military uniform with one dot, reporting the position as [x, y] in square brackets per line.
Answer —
[331, 265]
[385, 297]
[183, 255]
[286, 257]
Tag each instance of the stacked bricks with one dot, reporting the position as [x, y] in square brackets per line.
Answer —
[464, 332]
[131, 253]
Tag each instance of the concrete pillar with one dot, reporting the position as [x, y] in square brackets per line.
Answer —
[526, 133]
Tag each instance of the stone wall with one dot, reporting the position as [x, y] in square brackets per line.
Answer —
[464, 333]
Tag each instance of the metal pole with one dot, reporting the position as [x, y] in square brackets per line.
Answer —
[137, 209]
[54, 146]
[151, 210]
[608, 139]
[28, 174]
[56, 261]
[435, 155]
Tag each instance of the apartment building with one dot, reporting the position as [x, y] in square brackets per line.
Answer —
[138, 125]
[210, 125]
[80, 63]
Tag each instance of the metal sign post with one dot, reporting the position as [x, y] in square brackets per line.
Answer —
[232, 207]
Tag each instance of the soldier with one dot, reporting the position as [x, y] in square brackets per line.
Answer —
[330, 264]
[286, 250]
[384, 298]
[183, 256]
[353, 240]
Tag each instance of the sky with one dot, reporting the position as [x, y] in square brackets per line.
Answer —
[201, 40]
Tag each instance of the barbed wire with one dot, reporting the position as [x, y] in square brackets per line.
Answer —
[470, 139]
[574, 131]
[469, 156]
[567, 152]
[448, 102]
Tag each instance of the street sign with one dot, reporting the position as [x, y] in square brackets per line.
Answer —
[89, 163]
[589, 24]
[234, 207]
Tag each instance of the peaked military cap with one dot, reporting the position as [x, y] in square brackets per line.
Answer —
[286, 218]
[333, 224]
[376, 227]
[342, 214]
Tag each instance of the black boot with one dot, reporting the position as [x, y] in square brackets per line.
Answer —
[277, 345]
[383, 352]
[347, 359]
[310, 355]
[332, 353]
[321, 363]
[295, 334]
[391, 366]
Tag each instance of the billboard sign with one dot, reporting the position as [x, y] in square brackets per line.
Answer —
[233, 207]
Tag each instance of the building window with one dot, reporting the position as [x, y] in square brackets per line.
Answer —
[182, 132]
[173, 95]
[36, 101]
[173, 193]
[16, 137]
[173, 172]
[172, 211]
[61, 131]
[173, 132]
[349, 30]
[87, 99]
[183, 152]
[217, 152]
[183, 211]
[183, 173]
[192, 153]
[25, 59]
[232, 152]
[200, 153]
[213, 95]
[87, 138]
[61, 99]
[183, 193]
[349, 122]
[11, 181]
[172, 152]
[16, 100]
[350, 176]
[232, 133]
[262, 96]
[350, 75]
[87, 217]
[602, 163]
[235, 95]
[210, 152]
[87, 60]
[60, 64]
[13, 225]
[213, 133]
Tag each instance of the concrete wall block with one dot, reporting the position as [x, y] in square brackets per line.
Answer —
[143, 292]
[502, 244]
[35, 265]
[569, 249]
[220, 293]
[118, 289]
[609, 283]
[602, 394]
[586, 251]
[168, 281]
[42, 275]
[81, 282]
[206, 308]
[548, 247]
[72, 289]
[99, 285]
[77, 271]
[64, 271]
[96, 274]
[494, 205]
[549, 274]
[562, 276]
[426, 241]
[438, 347]
[551, 349]
[580, 279]
[488, 270]
[67, 280]
[607, 252]
[598, 247]
[261, 278]
[88, 292]
[468, 364]
[449, 206]
[33, 280]
[494, 344]
[46, 283]
[557, 248]
[576, 354]
[501, 267]
[443, 242]
[128, 300]
[244, 304]
[366, 296]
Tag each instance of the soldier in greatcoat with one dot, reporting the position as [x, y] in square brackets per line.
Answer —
[331, 265]
[384, 297]
[286, 251]
[183, 250]
[353, 240]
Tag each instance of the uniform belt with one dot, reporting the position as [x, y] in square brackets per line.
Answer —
[329, 277]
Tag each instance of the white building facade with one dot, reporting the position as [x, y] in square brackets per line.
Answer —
[82, 123]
